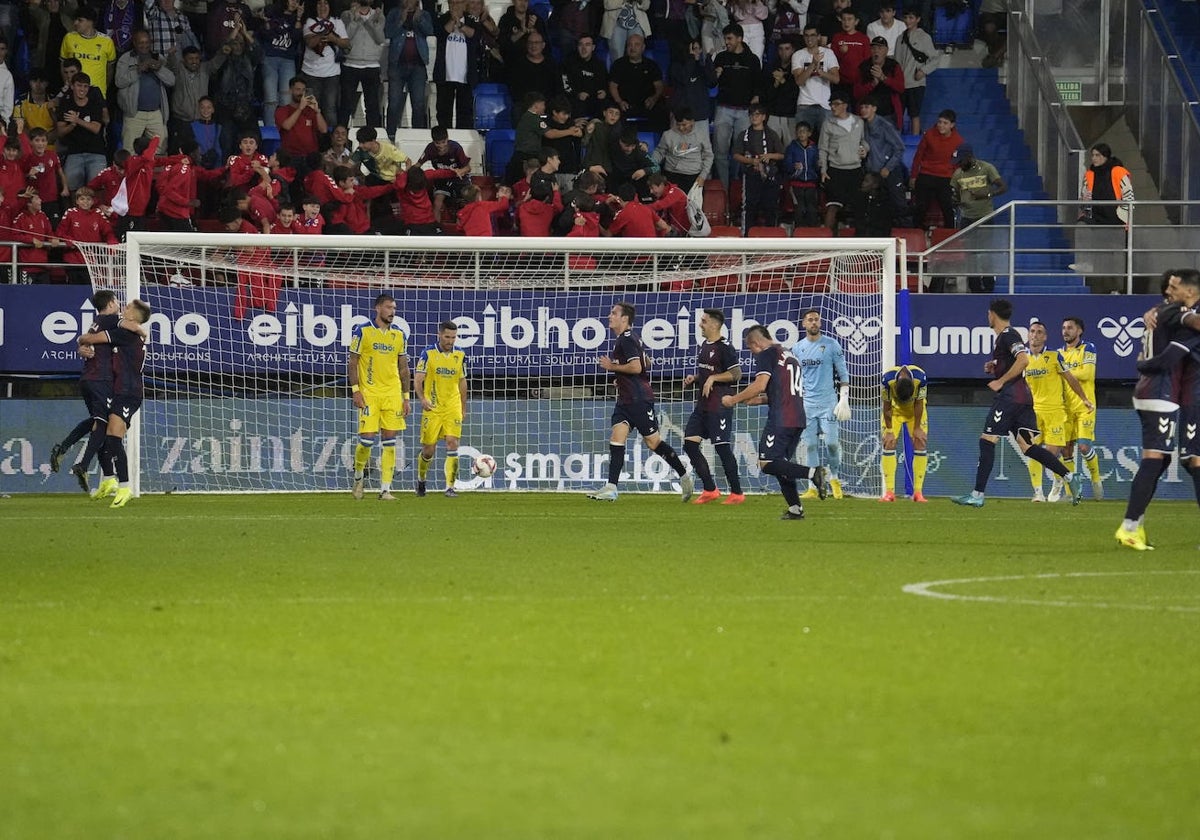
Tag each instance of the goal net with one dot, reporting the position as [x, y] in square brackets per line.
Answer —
[246, 373]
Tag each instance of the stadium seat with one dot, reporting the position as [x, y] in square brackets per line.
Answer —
[812, 233]
[763, 232]
[716, 203]
[498, 150]
[726, 231]
[492, 109]
[270, 140]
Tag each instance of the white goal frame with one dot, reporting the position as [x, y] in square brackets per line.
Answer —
[121, 268]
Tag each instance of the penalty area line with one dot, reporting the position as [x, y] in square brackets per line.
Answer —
[927, 589]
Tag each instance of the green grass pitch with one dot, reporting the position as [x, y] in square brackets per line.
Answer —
[539, 666]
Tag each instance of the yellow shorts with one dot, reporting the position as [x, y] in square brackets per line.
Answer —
[1052, 423]
[436, 425]
[1081, 426]
[905, 418]
[381, 413]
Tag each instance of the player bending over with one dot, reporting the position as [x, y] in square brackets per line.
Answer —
[903, 405]
[716, 376]
[128, 359]
[441, 383]
[379, 386]
[635, 404]
[779, 382]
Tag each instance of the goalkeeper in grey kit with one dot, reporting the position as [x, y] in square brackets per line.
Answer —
[826, 400]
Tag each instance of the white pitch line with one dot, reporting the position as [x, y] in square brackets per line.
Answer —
[926, 589]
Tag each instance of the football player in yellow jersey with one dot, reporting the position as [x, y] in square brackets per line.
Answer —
[1079, 356]
[903, 399]
[1045, 375]
[442, 387]
[379, 385]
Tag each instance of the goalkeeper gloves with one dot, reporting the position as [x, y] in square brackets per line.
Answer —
[841, 412]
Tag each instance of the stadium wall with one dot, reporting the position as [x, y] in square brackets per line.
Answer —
[309, 330]
[268, 441]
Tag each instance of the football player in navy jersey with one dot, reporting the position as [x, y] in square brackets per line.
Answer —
[779, 383]
[95, 386]
[635, 404]
[128, 359]
[717, 373]
[1012, 409]
[1170, 339]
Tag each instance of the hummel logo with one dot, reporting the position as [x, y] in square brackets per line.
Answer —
[723, 425]
[996, 415]
[770, 440]
[125, 412]
[1163, 424]
[1191, 430]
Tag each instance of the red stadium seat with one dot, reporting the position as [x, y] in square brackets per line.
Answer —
[813, 233]
[767, 233]
[726, 231]
[716, 202]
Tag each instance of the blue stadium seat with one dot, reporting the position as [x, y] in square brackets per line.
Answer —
[270, 140]
[650, 138]
[498, 147]
[493, 108]
[953, 31]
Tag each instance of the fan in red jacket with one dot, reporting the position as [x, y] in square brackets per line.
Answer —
[312, 223]
[285, 220]
[13, 188]
[932, 167]
[239, 169]
[353, 215]
[139, 176]
[587, 219]
[633, 218]
[83, 223]
[109, 179]
[177, 199]
[670, 203]
[256, 289]
[416, 208]
[475, 217]
[32, 228]
[537, 212]
[43, 169]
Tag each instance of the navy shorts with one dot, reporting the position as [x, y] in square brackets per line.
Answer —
[125, 407]
[639, 415]
[775, 444]
[1189, 431]
[96, 396]
[716, 426]
[1008, 418]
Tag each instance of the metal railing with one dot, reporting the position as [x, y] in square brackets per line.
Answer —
[1057, 148]
[1163, 113]
[1024, 248]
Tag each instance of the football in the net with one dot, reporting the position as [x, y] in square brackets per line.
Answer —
[484, 466]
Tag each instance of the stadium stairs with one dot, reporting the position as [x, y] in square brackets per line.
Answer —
[986, 122]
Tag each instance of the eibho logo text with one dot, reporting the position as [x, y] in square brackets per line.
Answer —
[856, 333]
[1124, 332]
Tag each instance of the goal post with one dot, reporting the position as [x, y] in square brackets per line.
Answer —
[246, 369]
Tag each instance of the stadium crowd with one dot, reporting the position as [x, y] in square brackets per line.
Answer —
[217, 115]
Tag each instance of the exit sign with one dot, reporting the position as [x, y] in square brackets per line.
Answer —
[1070, 91]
